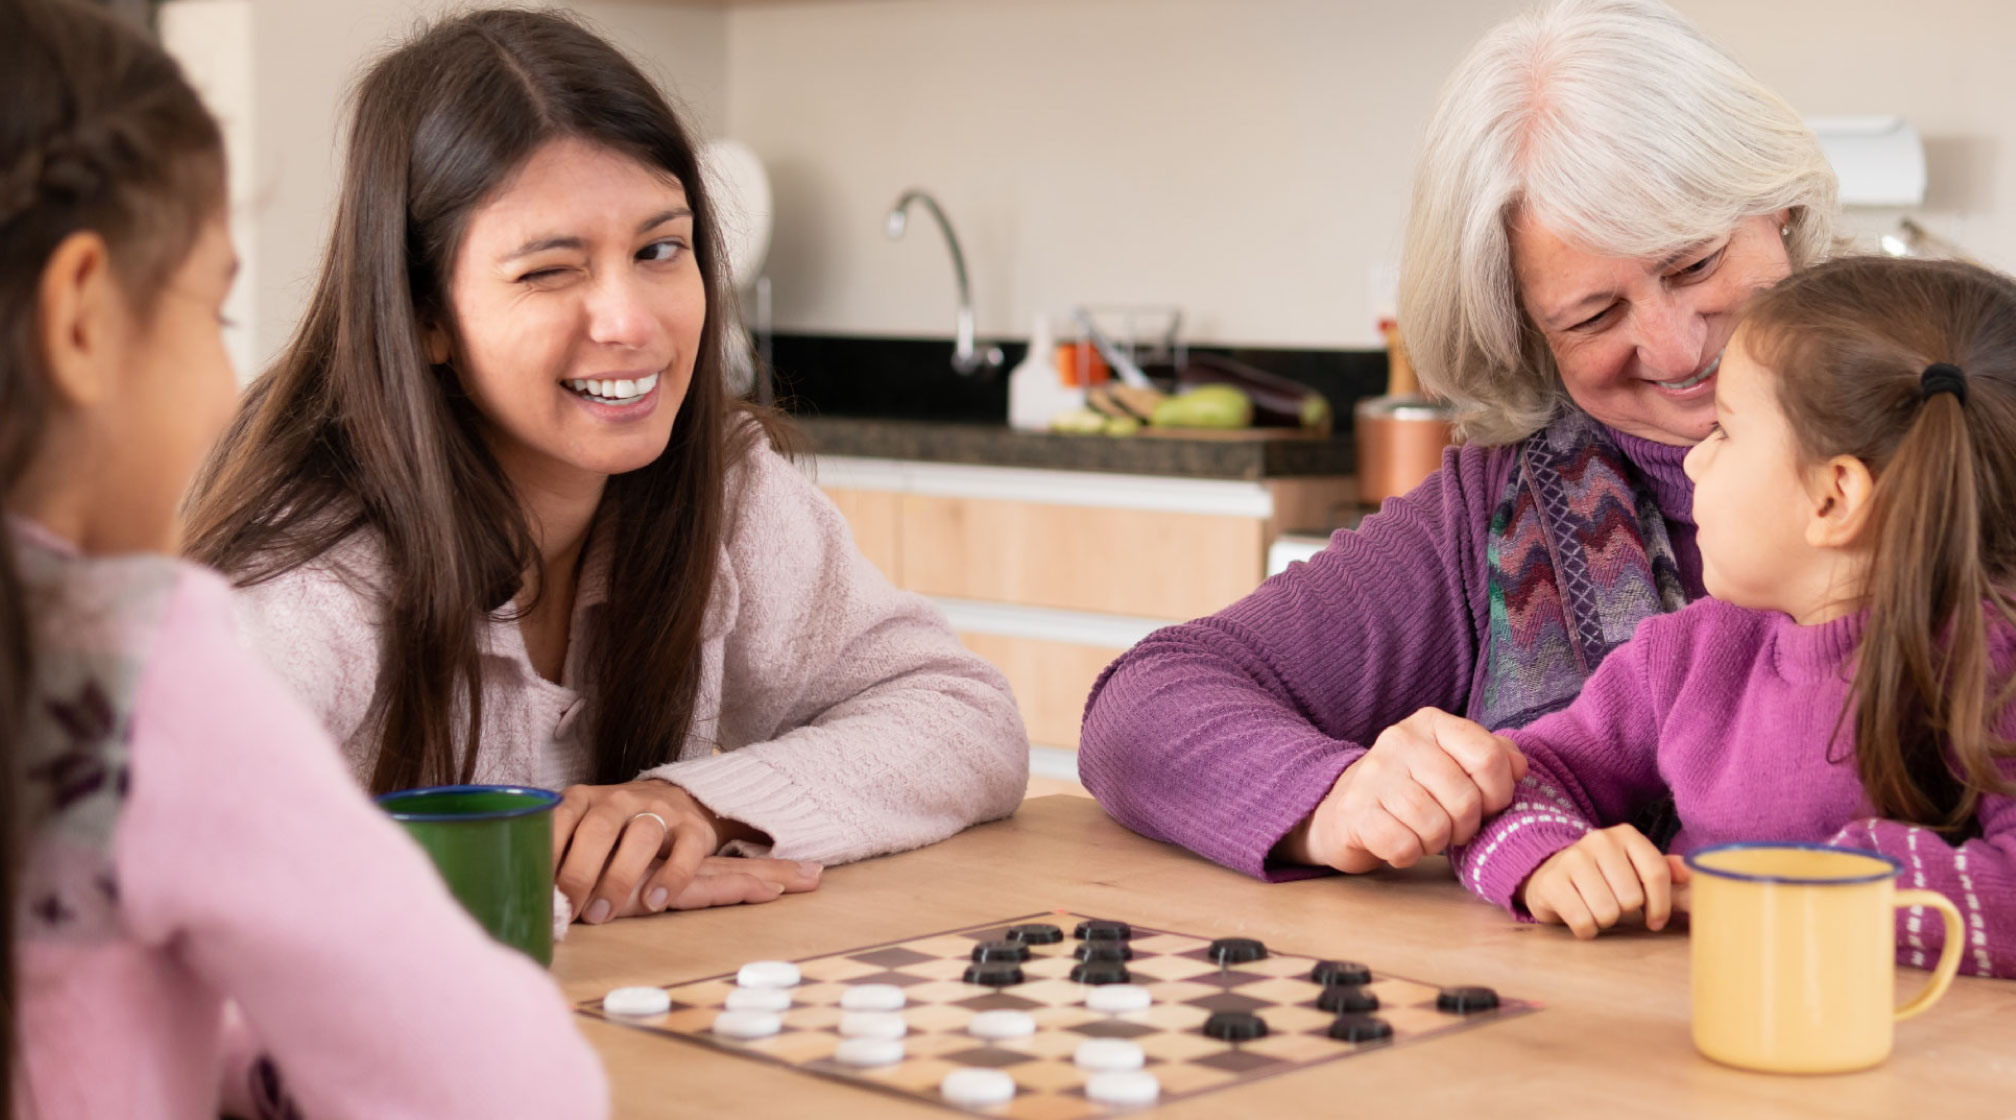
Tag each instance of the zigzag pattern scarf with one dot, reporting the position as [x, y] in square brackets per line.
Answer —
[1578, 556]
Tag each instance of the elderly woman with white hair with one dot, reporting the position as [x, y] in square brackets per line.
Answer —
[1601, 191]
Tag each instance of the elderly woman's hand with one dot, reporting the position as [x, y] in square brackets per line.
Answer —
[1427, 783]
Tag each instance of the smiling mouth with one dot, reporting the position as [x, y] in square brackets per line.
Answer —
[1690, 382]
[604, 390]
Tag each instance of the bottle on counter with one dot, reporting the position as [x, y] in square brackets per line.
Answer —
[1036, 391]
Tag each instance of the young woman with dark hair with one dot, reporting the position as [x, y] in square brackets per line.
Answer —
[499, 521]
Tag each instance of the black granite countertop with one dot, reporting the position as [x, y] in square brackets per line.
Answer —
[997, 445]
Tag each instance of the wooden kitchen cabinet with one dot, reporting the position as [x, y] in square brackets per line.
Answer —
[1122, 561]
[1050, 575]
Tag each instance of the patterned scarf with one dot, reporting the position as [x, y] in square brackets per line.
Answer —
[1578, 556]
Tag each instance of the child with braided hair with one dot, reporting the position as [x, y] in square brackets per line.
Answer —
[204, 913]
[1849, 681]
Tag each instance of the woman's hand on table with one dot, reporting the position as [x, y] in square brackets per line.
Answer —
[729, 881]
[1603, 878]
[1427, 783]
[646, 846]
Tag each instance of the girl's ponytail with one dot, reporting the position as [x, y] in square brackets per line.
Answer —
[1922, 676]
[1910, 367]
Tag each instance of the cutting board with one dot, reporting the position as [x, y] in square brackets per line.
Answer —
[1230, 435]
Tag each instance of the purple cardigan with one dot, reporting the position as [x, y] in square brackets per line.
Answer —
[1223, 733]
[1734, 713]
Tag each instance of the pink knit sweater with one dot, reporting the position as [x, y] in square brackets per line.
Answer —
[837, 714]
[1734, 713]
[199, 843]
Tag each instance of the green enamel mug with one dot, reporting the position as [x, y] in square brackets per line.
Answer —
[494, 846]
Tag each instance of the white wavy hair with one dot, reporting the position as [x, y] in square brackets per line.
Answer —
[1618, 125]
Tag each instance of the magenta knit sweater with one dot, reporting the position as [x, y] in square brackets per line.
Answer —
[1734, 713]
[1221, 734]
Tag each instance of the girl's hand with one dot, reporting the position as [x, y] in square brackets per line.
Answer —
[1428, 782]
[1592, 884]
[607, 851]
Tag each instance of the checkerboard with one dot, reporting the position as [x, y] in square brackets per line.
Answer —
[1175, 968]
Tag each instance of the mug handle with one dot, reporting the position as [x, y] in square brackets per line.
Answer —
[1949, 955]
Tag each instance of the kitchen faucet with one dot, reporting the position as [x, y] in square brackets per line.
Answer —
[965, 359]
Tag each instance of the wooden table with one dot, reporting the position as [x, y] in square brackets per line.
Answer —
[1612, 1040]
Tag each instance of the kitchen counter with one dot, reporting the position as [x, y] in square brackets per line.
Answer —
[1000, 446]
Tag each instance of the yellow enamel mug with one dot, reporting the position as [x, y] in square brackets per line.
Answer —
[1793, 951]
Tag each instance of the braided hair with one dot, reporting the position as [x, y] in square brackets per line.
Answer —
[101, 134]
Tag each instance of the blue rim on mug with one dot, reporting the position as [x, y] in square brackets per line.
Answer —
[1896, 868]
[543, 799]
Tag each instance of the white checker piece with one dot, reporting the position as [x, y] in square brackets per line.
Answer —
[1126, 1088]
[977, 1088]
[998, 1025]
[747, 1024]
[637, 1002]
[768, 974]
[872, 997]
[1105, 1055]
[758, 999]
[873, 1024]
[866, 1053]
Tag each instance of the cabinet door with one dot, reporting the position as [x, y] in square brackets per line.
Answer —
[1051, 681]
[1112, 561]
[875, 519]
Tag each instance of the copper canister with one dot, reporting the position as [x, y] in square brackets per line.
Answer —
[1400, 435]
[1400, 442]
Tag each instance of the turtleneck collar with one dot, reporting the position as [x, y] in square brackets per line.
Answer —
[1660, 465]
[1817, 652]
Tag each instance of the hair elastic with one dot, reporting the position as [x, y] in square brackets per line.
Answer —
[1939, 377]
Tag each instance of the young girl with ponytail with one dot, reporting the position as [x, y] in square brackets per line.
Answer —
[203, 913]
[1849, 683]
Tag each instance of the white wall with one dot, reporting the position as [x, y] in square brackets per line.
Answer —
[279, 72]
[1248, 159]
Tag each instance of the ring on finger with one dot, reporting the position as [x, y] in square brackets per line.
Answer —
[647, 813]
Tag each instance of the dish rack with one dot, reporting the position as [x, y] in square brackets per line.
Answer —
[1136, 342]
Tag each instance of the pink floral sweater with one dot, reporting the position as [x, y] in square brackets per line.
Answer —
[212, 916]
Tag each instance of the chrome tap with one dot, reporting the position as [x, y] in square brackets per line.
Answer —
[966, 358]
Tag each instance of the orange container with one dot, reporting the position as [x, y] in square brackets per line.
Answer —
[1080, 366]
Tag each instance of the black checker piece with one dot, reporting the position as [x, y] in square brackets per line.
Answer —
[1237, 950]
[994, 974]
[1095, 930]
[1332, 973]
[1104, 951]
[1099, 972]
[1361, 1028]
[1235, 1026]
[1012, 951]
[1347, 999]
[1466, 1001]
[1036, 934]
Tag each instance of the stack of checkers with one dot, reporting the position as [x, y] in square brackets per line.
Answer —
[1052, 1018]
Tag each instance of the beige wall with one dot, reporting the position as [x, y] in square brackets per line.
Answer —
[1248, 159]
[279, 73]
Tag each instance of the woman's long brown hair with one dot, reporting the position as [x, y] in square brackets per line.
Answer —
[353, 431]
[1849, 342]
[99, 133]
